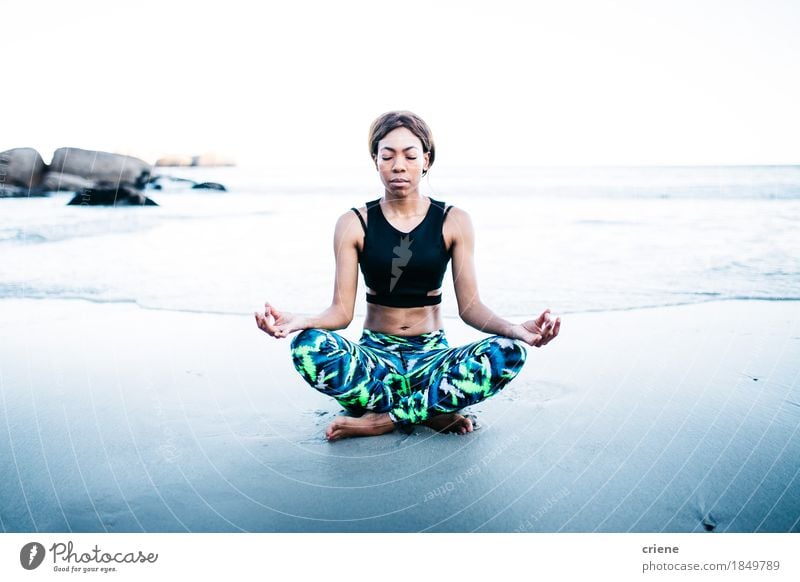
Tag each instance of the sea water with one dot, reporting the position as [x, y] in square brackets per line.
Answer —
[571, 239]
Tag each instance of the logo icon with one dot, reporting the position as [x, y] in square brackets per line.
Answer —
[32, 555]
[402, 254]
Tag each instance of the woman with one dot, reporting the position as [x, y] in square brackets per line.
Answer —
[403, 372]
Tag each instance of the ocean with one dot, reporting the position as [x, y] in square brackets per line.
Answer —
[571, 239]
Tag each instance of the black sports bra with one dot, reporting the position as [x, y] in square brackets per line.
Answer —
[402, 267]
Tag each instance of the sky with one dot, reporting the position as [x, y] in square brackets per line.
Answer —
[500, 83]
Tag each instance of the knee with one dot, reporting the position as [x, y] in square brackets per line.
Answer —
[308, 352]
[512, 352]
[309, 337]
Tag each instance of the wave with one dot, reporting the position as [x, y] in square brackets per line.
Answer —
[21, 237]
[91, 297]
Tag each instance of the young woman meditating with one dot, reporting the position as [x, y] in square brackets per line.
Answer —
[402, 371]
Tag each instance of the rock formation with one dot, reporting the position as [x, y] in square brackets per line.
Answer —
[111, 196]
[97, 177]
[21, 169]
[100, 167]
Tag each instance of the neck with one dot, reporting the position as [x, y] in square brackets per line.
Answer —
[409, 204]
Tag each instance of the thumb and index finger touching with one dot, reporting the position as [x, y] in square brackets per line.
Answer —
[263, 319]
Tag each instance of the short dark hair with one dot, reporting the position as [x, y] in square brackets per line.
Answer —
[391, 120]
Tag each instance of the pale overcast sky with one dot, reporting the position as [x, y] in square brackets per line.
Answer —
[501, 83]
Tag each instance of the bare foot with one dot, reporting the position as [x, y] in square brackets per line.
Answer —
[450, 423]
[370, 424]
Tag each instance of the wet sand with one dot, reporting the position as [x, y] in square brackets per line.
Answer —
[673, 419]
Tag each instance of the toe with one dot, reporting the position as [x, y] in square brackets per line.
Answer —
[331, 431]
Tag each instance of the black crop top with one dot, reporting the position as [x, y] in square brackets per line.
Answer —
[402, 267]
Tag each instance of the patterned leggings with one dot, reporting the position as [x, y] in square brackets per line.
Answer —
[411, 378]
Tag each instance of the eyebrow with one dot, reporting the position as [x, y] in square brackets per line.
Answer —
[404, 149]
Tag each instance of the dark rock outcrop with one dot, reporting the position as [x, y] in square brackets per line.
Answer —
[111, 196]
[209, 186]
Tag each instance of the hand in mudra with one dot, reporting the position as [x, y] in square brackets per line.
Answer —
[540, 331]
[278, 324]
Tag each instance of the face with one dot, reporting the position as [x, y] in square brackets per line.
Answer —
[401, 161]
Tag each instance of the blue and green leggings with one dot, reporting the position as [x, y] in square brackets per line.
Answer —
[411, 378]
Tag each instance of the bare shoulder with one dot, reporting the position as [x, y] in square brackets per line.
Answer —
[457, 226]
[362, 210]
[348, 227]
[456, 214]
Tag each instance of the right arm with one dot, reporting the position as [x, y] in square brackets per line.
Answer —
[340, 312]
[345, 250]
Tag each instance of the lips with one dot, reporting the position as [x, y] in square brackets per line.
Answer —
[398, 181]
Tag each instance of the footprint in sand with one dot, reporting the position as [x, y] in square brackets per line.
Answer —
[537, 391]
[709, 523]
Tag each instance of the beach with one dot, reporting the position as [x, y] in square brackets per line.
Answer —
[117, 418]
[138, 395]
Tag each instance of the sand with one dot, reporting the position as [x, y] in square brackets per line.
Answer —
[673, 419]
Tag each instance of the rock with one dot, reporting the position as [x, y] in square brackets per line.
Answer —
[100, 166]
[203, 160]
[19, 192]
[209, 186]
[174, 161]
[211, 160]
[21, 167]
[111, 196]
[56, 182]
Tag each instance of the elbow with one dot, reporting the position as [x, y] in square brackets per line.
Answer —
[467, 316]
[345, 319]
[466, 312]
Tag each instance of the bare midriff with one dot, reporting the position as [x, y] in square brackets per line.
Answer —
[404, 321]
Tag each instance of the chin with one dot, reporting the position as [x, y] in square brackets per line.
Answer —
[404, 189]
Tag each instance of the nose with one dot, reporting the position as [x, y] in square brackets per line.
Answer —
[399, 164]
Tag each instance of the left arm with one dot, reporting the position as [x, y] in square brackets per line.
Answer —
[470, 307]
[465, 281]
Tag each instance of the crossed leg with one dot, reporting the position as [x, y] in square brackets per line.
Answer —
[445, 381]
[362, 379]
[431, 389]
